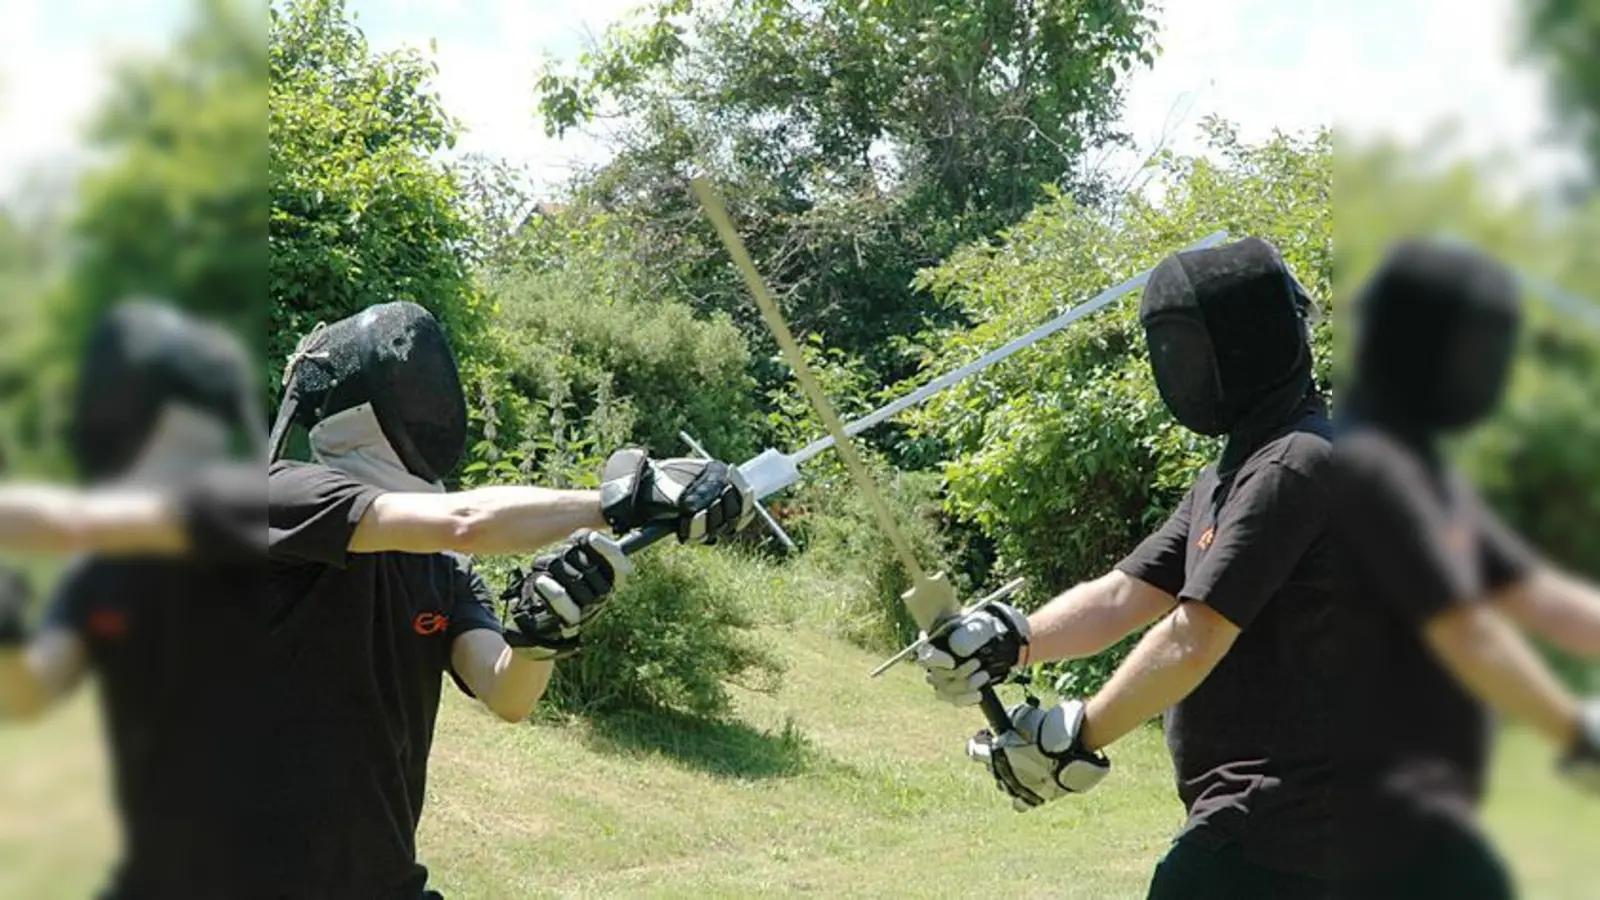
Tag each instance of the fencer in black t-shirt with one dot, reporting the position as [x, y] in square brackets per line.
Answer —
[1238, 583]
[373, 599]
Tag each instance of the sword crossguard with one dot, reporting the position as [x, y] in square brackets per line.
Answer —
[943, 625]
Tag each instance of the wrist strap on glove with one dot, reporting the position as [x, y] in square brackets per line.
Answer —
[625, 482]
[1050, 759]
[701, 500]
[566, 591]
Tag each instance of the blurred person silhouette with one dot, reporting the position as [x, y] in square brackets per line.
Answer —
[168, 525]
[1434, 591]
[375, 599]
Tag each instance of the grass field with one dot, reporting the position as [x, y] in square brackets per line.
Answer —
[835, 787]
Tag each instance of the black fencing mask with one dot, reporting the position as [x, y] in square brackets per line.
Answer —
[159, 391]
[381, 395]
[1437, 327]
[1227, 336]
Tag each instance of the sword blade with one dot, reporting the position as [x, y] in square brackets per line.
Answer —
[1098, 302]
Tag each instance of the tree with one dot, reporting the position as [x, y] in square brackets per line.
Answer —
[178, 211]
[857, 142]
[1564, 35]
[175, 211]
[362, 211]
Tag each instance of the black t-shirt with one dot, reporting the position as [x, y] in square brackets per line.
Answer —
[177, 646]
[1415, 541]
[1250, 745]
[364, 641]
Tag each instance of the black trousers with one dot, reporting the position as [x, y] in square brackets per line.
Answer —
[1189, 872]
[1452, 864]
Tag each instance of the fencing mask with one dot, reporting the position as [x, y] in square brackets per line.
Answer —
[1227, 333]
[1436, 330]
[158, 393]
[381, 396]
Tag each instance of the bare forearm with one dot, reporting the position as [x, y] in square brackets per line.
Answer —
[1561, 610]
[509, 685]
[58, 521]
[38, 519]
[518, 519]
[1496, 664]
[1172, 659]
[1092, 616]
[519, 685]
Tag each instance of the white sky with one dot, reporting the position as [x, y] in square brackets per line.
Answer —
[1370, 66]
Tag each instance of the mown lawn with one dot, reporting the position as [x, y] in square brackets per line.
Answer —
[836, 787]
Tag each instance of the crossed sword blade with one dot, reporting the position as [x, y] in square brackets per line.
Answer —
[932, 600]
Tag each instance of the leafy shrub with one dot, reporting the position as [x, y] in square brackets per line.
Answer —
[592, 336]
[860, 575]
[674, 637]
[1535, 459]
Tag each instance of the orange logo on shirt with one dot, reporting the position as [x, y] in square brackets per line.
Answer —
[1207, 537]
[427, 623]
[108, 624]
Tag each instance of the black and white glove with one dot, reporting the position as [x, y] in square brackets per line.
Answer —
[978, 651]
[567, 589]
[1581, 763]
[1042, 757]
[702, 500]
[15, 592]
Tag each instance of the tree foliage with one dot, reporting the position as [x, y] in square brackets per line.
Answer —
[1564, 35]
[173, 209]
[362, 210]
[857, 142]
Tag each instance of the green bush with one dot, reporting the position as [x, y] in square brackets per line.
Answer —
[857, 575]
[673, 638]
[1535, 459]
[586, 335]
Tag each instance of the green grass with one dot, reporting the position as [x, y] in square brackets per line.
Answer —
[836, 786]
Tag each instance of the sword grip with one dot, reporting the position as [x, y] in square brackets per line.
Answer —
[644, 537]
[994, 711]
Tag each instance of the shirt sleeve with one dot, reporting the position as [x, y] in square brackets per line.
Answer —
[472, 609]
[1398, 531]
[1159, 560]
[1268, 523]
[313, 512]
[225, 514]
[1504, 559]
